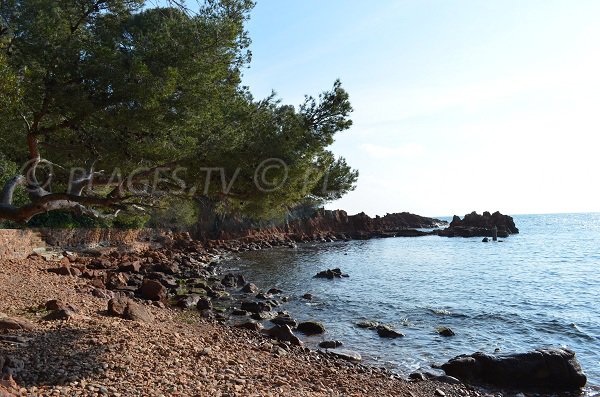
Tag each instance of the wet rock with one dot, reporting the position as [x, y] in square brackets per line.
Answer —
[385, 331]
[239, 312]
[485, 240]
[330, 344]
[263, 316]
[263, 296]
[285, 319]
[233, 280]
[311, 328]
[440, 393]
[256, 307]
[417, 376]
[543, 369]
[331, 274]
[445, 331]
[153, 290]
[274, 291]
[368, 324]
[250, 288]
[308, 297]
[283, 333]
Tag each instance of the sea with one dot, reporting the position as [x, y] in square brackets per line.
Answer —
[539, 288]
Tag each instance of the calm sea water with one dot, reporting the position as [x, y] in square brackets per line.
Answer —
[536, 289]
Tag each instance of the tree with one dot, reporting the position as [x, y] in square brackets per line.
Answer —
[149, 93]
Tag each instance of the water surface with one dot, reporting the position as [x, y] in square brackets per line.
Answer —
[537, 289]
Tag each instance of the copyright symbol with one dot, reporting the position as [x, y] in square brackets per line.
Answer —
[38, 173]
[270, 175]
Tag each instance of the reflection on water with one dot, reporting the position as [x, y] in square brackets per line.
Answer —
[536, 289]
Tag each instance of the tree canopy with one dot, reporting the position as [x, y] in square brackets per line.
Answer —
[109, 104]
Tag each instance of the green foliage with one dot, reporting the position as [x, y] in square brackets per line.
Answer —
[130, 220]
[126, 85]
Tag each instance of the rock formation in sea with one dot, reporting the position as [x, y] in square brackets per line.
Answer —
[475, 225]
[546, 369]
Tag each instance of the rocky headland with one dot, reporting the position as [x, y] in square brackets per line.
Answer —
[484, 225]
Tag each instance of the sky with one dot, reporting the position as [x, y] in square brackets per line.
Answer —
[458, 106]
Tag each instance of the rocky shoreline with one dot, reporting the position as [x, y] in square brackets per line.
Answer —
[181, 285]
[63, 333]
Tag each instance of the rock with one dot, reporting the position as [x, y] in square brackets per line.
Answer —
[239, 312]
[131, 267]
[102, 293]
[232, 280]
[445, 331]
[251, 325]
[14, 323]
[417, 376]
[153, 290]
[440, 393]
[485, 240]
[286, 319]
[308, 297]
[541, 369]
[56, 304]
[117, 305]
[446, 379]
[167, 268]
[283, 333]
[204, 304]
[311, 328]
[250, 288]
[66, 270]
[385, 331]
[368, 324]
[188, 301]
[347, 355]
[331, 274]
[256, 307]
[116, 280]
[60, 314]
[330, 344]
[274, 291]
[485, 225]
[136, 312]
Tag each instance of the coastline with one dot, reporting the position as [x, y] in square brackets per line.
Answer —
[178, 353]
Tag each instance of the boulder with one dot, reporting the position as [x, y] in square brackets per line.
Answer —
[137, 312]
[250, 288]
[130, 267]
[233, 280]
[204, 304]
[331, 274]
[14, 323]
[385, 331]
[330, 344]
[153, 290]
[368, 324]
[117, 305]
[445, 331]
[274, 291]
[188, 301]
[311, 328]
[256, 307]
[286, 319]
[540, 369]
[485, 225]
[283, 333]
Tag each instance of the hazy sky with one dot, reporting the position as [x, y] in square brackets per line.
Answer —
[459, 105]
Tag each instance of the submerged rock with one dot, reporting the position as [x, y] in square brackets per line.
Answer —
[385, 331]
[542, 369]
[331, 274]
[445, 331]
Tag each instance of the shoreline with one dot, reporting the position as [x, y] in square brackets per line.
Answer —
[178, 353]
